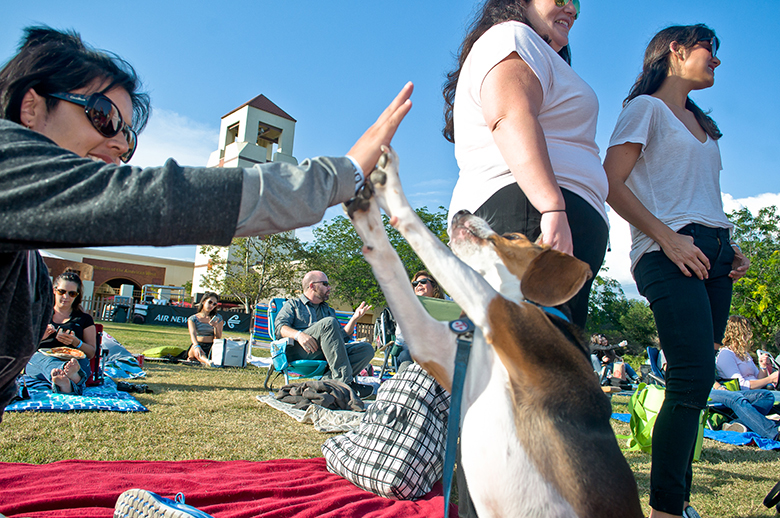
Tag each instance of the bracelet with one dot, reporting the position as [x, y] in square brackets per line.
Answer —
[297, 335]
[81, 342]
[735, 245]
[553, 210]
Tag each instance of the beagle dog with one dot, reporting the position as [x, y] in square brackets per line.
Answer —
[535, 433]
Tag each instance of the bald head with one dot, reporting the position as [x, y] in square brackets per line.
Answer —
[315, 286]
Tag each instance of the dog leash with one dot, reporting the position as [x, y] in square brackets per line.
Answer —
[464, 328]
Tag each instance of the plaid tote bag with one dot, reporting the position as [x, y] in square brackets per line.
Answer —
[398, 450]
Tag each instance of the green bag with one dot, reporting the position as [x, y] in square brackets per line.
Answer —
[164, 351]
[644, 406]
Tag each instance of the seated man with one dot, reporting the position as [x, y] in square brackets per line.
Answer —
[312, 323]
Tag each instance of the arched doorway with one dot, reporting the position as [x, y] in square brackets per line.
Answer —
[110, 288]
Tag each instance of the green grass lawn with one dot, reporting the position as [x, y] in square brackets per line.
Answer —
[202, 413]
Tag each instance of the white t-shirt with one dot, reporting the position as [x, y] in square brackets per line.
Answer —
[568, 118]
[731, 366]
[677, 177]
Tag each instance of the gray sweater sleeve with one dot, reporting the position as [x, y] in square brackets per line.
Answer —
[279, 196]
[50, 197]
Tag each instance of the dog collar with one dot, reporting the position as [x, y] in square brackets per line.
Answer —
[551, 311]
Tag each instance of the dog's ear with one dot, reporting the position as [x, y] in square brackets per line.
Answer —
[553, 277]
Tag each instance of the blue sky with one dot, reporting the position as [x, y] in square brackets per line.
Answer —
[334, 65]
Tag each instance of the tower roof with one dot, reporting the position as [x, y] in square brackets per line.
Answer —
[261, 102]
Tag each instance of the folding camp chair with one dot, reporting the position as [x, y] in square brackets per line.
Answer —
[656, 375]
[96, 377]
[279, 363]
[384, 338]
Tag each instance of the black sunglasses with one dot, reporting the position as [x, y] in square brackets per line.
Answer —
[421, 281]
[63, 292]
[105, 117]
[713, 45]
[324, 283]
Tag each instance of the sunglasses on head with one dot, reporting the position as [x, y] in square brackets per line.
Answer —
[713, 45]
[63, 292]
[562, 3]
[421, 281]
[324, 283]
[104, 116]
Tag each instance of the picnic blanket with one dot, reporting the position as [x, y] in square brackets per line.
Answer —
[323, 419]
[236, 489]
[735, 438]
[103, 397]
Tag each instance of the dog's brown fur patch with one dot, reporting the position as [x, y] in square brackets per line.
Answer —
[561, 415]
[439, 373]
[548, 277]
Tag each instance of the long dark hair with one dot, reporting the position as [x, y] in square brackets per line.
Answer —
[73, 277]
[492, 13]
[206, 296]
[655, 68]
[51, 61]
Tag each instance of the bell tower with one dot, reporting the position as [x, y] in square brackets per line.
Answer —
[254, 133]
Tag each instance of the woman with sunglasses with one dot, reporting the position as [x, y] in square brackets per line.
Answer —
[424, 285]
[69, 327]
[524, 126]
[204, 327]
[68, 118]
[663, 166]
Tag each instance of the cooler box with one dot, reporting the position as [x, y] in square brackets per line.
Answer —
[229, 353]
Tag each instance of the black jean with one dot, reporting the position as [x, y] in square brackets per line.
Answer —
[509, 210]
[691, 316]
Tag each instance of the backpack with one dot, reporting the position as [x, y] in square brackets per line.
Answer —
[644, 406]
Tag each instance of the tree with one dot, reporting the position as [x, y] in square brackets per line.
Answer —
[336, 250]
[255, 268]
[638, 324]
[611, 314]
[757, 294]
[607, 304]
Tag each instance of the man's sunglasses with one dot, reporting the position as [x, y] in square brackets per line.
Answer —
[713, 45]
[63, 292]
[324, 283]
[104, 116]
[421, 281]
[562, 3]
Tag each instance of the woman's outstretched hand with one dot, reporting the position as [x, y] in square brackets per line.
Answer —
[368, 148]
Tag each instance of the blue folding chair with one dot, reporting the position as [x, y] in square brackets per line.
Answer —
[656, 375]
[279, 363]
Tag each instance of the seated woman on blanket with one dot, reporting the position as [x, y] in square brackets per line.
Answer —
[69, 327]
[750, 403]
[424, 285]
[204, 326]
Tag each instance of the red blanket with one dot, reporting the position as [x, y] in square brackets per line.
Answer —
[236, 489]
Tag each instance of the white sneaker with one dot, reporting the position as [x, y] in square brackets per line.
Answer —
[139, 503]
[735, 427]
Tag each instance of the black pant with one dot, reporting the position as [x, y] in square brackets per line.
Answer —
[509, 210]
[690, 315]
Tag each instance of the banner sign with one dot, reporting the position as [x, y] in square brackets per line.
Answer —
[177, 316]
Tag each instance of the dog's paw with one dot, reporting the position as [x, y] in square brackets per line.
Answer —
[361, 201]
[387, 183]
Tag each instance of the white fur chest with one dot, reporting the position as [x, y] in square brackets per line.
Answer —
[503, 482]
